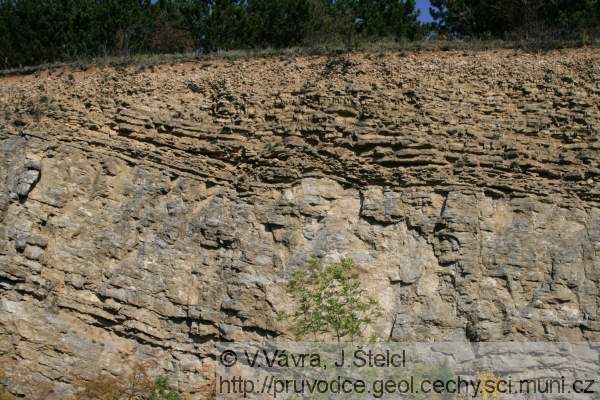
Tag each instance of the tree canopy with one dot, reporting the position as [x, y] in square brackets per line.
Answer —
[555, 19]
[37, 31]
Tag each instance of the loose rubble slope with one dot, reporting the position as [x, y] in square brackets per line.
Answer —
[146, 213]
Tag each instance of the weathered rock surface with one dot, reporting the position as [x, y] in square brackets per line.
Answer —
[147, 213]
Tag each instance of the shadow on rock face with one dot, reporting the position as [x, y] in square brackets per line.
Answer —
[24, 180]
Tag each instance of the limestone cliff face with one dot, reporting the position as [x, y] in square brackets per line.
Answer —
[147, 213]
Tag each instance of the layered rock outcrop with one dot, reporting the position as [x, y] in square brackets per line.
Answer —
[147, 213]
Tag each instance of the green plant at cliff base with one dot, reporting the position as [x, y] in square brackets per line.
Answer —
[136, 386]
[329, 301]
[163, 391]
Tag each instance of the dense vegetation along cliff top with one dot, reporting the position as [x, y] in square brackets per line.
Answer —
[64, 30]
[149, 212]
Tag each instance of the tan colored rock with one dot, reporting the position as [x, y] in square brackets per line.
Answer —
[469, 200]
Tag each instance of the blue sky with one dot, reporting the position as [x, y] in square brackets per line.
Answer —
[423, 5]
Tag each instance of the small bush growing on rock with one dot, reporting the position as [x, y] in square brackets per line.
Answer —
[163, 391]
[137, 386]
[329, 300]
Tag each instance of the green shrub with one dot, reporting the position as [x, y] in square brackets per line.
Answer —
[329, 300]
[138, 385]
[163, 391]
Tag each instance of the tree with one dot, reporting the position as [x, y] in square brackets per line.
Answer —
[167, 28]
[329, 300]
[39, 31]
[559, 19]
[468, 17]
[389, 18]
[572, 16]
[195, 15]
